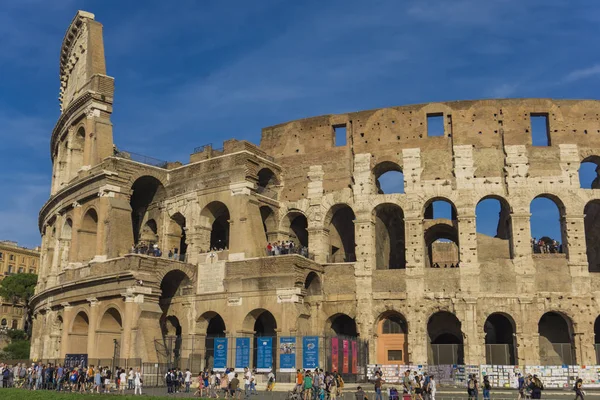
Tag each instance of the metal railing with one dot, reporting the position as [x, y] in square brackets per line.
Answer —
[127, 155]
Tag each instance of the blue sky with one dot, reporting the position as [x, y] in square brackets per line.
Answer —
[193, 72]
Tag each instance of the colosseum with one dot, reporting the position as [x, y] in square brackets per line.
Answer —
[159, 261]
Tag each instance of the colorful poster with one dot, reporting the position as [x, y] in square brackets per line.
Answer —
[220, 354]
[334, 354]
[310, 352]
[287, 354]
[345, 355]
[242, 353]
[354, 357]
[264, 354]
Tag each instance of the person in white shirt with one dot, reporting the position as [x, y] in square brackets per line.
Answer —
[122, 379]
[432, 388]
[247, 380]
[188, 380]
[270, 381]
[138, 382]
[231, 374]
[130, 378]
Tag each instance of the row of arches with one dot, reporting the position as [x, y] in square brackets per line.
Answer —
[107, 335]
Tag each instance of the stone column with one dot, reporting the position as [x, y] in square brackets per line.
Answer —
[318, 244]
[574, 235]
[128, 322]
[522, 251]
[364, 228]
[474, 348]
[67, 321]
[91, 342]
[318, 235]
[415, 255]
[467, 240]
[585, 352]
[528, 339]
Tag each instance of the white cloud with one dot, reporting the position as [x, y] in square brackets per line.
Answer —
[579, 74]
[504, 90]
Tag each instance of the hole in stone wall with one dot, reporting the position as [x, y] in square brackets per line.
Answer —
[540, 129]
[546, 225]
[435, 124]
[340, 134]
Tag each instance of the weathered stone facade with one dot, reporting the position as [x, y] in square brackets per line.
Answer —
[370, 253]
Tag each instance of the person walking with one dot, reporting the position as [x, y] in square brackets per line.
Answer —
[432, 388]
[579, 393]
[536, 386]
[486, 388]
[378, 386]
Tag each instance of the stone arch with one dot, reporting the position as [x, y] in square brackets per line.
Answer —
[215, 219]
[263, 324]
[340, 222]
[212, 325]
[266, 180]
[392, 338]
[176, 236]
[341, 324]
[441, 234]
[78, 334]
[147, 194]
[393, 184]
[592, 234]
[294, 224]
[445, 339]
[108, 333]
[66, 234]
[500, 339]
[76, 150]
[493, 242]
[589, 172]
[543, 230]
[556, 332]
[87, 235]
[312, 284]
[175, 282]
[390, 250]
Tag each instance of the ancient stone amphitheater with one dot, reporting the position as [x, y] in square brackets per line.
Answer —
[378, 270]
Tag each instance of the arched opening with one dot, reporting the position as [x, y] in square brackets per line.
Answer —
[78, 337]
[547, 228]
[500, 340]
[88, 235]
[265, 347]
[556, 340]
[493, 229]
[177, 236]
[215, 327]
[341, 234]
[175, 283]
[216, 216]
[269, 224]
[312, 285]
[392, 339]
[592, 234]
[267, 183]
[147, 193]
[295, 225]
[389, 178]
[445, 339]
[441, 234]
[589, 173]
[172, 338]
[343, 325]
[108, 334]
[390, 249]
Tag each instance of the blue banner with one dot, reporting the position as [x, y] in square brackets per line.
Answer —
[287, 354]
[220, 354]
[310, 352]
[264, 354]
[242, 353]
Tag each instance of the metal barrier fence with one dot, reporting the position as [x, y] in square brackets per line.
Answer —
[345, 354]
[155, 162]
[443, 354]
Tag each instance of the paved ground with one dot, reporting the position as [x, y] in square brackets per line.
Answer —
[442, 394]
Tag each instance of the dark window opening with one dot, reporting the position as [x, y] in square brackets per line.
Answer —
[395, 355]
[435, 124]
[340, 135]
[540, 130]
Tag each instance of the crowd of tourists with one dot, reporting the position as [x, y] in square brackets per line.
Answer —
[548, 246]
[212, 384]
[77, 379]
[286, 247]
[317, 385]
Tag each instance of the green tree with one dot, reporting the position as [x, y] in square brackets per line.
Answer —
[17, 350]
[18, 289]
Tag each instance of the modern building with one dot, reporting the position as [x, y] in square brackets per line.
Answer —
[380, 277]
[15, 260]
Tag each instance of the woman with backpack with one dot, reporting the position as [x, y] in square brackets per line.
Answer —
[536, 387]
